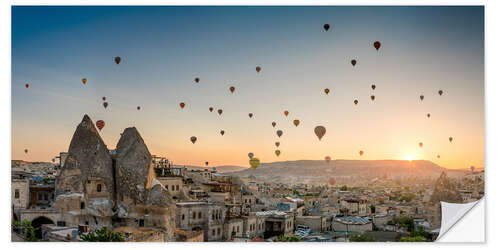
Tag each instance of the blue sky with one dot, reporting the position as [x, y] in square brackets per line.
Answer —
[424, 49]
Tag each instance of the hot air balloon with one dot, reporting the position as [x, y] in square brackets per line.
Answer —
[250, 115]
[421, 97]
[222, 132]
[326, 27]
[440, 92]
[182, 105]
[328, 159]
[279, 133]
[428, 115]
[372, 97]
[254, 162]
[206, 163]
[286, 112]
[258, 69]
[219, 111]
[138, 107]
[355, 102]
[373, 86]
[320, 131]
[232, 89]
[353, 62]
[332, 181]
[296, 123]
[472, 169]
[361, 152]
[438, 156]
[450, 139]
[250, 155]
[376, 45]
[26, 151]
[100, 124]
[277, 144]
[277, 152]
[197, 80]
[211, 109]
[27, 85]
[327, 91]
[420, 144]
[105, 104]
[104, 98]
[84, 80]
[117, 59]
[193, 139]
[53, 160]
[273, 124]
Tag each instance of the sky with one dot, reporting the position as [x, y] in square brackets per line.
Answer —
[424, 49]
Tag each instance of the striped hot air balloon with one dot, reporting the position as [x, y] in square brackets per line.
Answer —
[100, 124]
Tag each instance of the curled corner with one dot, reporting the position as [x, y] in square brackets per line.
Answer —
[451, 213]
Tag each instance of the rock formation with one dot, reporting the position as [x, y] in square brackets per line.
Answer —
[69, 179]
[444, 190]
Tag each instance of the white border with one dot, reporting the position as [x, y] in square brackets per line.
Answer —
[492, 81]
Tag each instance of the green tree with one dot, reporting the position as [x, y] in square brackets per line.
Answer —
[372, 208]
[288, 238]
[403, 221]
[343, 188]
[413, 239]
[361, 237]
[103, 235]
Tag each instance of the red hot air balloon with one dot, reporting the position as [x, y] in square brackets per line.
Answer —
[27, 85]
[376, 45]
[100, 124]
[286, 112]
[211, 109]
[182, 105]
[353, 62]
[420, 144]
[232, 89]
[373, 86]
[328, 159]
[361, 152]
[258, 69]
[332, 181]
[372, 97]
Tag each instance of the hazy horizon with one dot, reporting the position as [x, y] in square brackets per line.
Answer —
[165, 48]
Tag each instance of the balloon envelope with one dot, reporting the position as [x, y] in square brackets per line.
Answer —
[440, 92]
[361, 152]
[296, 123]
[182, 105]
[232, 89]
[332, 181]
[277, 144]
[100, 124]
[84, 80]
[222, 132]
[451, 139]
[254, 162]
[286, 112]
[421, 144]
[105, 104]
[219, 111]
[328, 159]
[279, 133]
[117, 59]
[277, 152]
[355, 102]
[372, 97]
[373, 86]
[274, 124]
[25, 151]
[250, 115]
[211, 109]
[327, 91]
[250, 155]
[320, 131]
[27, 85]
[258, 69]
[326, 27]
[193, 139]
[421, 97]
[353, 62]
[376, 45]
[197, 80]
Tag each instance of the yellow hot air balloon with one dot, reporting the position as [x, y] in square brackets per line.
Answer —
[296, 123]
[277, 152]
[320, 131]
[254, 162]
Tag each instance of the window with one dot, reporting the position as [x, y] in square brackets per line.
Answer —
[213, 216]
[218, 231]
[238, 229]
[177, 187]
[141, 222]
[194, 215]
[213, 232]
[173, 188]
[82, 205]
[99, 188]
[16, 194]
[39, 196]
[199, 215]
[45, 197]
[183, 216]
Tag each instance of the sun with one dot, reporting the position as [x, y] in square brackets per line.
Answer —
[409, 158]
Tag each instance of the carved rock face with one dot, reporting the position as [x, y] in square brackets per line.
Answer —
[133, 166]
[92, 155]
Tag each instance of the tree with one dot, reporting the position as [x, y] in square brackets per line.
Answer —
[343, 188]
[103, 235]
[361, 237]
[289, 238]
[413, 239]
[372, 208]
[26, 229]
